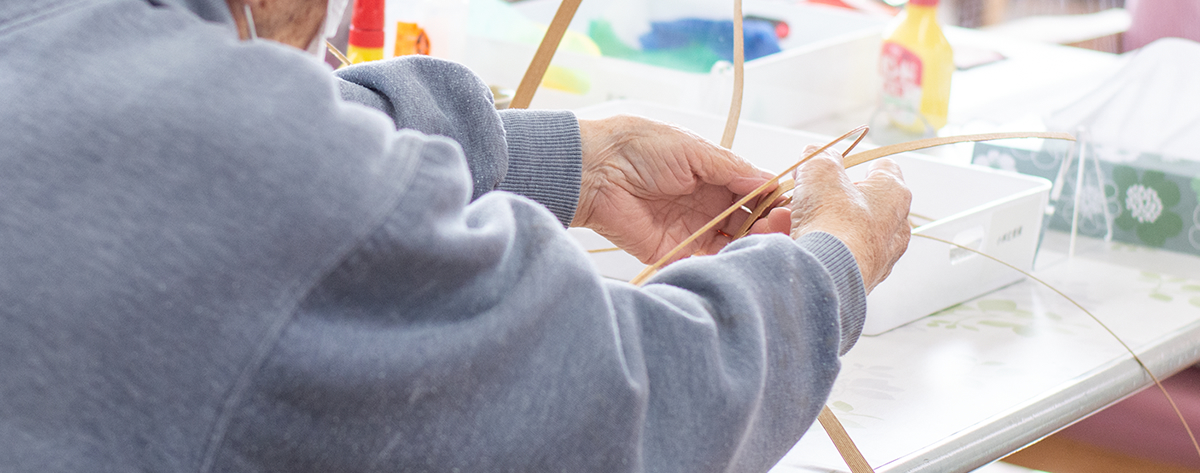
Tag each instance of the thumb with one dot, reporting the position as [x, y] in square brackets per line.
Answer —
[722, 167]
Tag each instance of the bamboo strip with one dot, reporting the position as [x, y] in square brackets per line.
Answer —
[545, 52]
[340, 57]
[739, 77]
[784, 186]
[650, 270]
[877, 153]
[841, 440]
[765, 204]
[872, 154]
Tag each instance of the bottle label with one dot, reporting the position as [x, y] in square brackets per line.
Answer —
[901, 70]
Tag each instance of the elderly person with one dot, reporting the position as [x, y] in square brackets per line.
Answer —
[215, 260]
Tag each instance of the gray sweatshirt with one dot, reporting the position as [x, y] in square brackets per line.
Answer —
[211, 262]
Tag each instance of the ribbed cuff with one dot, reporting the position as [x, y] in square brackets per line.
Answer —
[852, 296]
[545, 159]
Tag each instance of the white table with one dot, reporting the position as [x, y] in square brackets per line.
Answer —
[964, 387]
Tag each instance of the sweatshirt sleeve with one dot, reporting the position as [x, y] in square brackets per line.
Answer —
[475, 335]
[839, 262]
[534, 153]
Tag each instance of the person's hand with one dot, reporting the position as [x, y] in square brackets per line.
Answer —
[647, 186]
[870, 216]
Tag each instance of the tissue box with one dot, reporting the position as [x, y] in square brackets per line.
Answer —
[1139, 198]
[998, 213]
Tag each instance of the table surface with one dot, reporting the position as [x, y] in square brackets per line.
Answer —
[958, 389]
[966, 386]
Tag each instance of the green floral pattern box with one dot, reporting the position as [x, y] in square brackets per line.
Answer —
[1140, 198]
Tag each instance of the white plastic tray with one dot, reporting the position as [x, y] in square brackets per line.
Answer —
[828, 65]
[996, 212]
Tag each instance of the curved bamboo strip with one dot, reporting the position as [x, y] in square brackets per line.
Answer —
[545, 52]
[650, 270]
[739, 77]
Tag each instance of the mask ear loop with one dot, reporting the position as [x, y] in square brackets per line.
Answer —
[250, 21]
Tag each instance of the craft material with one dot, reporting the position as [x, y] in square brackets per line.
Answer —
[739, 76]
[671, 44]
[545, 52]
[781, 29]
[338, 54]
[916, 63]
[850, 161]
[842, 441]
[872, 154]
[764, 204]
[366, 32]
[758, 37]
[653, 268]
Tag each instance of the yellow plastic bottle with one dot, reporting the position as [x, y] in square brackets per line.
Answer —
[916, 63]
[366, 32]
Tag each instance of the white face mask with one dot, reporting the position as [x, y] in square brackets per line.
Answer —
[329, 27]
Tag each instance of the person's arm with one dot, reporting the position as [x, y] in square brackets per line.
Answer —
[534, 153]
[478, 336]
[643, 184]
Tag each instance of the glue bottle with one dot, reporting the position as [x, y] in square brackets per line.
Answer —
[366, 32]
[916, 63]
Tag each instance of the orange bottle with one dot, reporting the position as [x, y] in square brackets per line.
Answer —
[410, 39]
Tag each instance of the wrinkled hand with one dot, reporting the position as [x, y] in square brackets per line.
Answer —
[647, 186]
[869, 216]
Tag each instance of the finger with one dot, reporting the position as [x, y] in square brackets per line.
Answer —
[885, 186]
[762, 205]
[719, 166]
[820, 165]
[743, 184]
[778, 220]
[734, 222]
[820, 179]
[887, 167]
